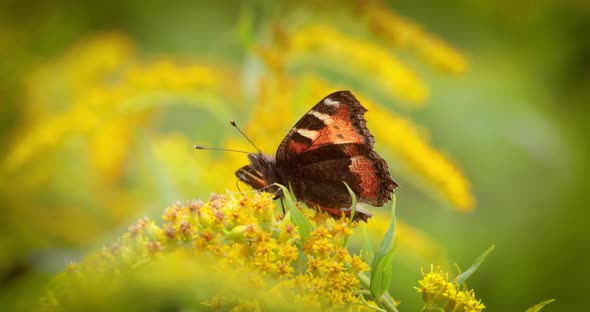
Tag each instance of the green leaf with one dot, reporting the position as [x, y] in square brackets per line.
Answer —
[465, 275]
[353, 207]
[367, 248]
[387, 241]
[539, 306]
[382, 267]
[291, 193]
[299, 219]
[382, 274]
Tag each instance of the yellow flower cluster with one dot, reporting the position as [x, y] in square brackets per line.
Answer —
[436, 289]
[274, 95]
[365, 57]
[244, 233]
[102, 91]
[85, 65]
[330, 278]
[403, 33]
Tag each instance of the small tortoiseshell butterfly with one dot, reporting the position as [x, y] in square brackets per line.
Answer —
[329, 145]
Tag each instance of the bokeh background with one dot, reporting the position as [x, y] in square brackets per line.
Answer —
[481, 109]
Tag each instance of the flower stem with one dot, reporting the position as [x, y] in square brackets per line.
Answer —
[385, 301]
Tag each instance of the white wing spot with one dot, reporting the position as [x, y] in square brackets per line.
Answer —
[320, 116]
[331, 102]
[310, 134]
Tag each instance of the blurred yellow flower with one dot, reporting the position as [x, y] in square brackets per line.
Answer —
[400, 32]
[325, 42]
[53, 86]
[105, 104]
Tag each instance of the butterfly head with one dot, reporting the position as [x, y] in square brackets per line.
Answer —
[261, 173]
[264, 164]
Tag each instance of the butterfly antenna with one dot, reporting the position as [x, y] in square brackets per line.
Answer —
[199, 147]
[233, 123]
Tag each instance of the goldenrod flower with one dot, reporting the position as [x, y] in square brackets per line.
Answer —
[401, 32]
[432, 286]
[382, 65]
[436, 289]
[229, 233]
[51, 86]
[103, 85]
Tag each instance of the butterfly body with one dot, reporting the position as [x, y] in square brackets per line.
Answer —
[328, 146]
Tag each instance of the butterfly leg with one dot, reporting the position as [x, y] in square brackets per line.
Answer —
[282, 205]
[238, 186]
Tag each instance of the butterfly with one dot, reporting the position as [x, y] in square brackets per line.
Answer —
[328, 146]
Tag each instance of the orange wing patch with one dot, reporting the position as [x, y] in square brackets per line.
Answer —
[362, 167]
[337, 119]
[337, 129]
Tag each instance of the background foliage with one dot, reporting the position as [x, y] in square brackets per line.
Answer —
[477, 106]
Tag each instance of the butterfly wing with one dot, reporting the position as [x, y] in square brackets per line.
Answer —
[329, 145]
[337, 119]
[317, 176]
